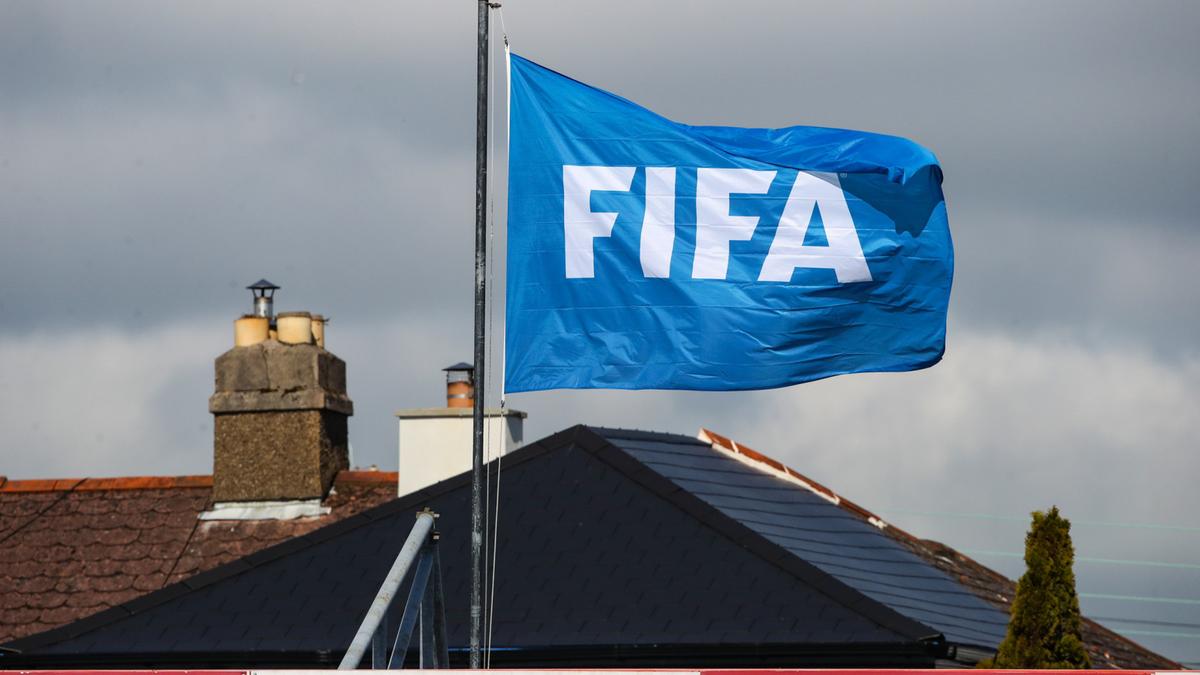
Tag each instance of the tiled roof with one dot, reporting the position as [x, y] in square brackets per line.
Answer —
[72, 547]
[815, 528]
[1107, 648]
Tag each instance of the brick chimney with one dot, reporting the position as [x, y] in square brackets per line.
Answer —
[280, 409]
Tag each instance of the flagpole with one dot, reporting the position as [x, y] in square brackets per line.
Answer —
[481, 132]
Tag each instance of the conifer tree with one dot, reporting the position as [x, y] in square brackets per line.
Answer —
[1045, 628]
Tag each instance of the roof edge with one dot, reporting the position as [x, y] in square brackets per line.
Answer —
[595, 443]
[618, 655]
[28, 485]
[98, 484]
[729, 445]
[357, 476]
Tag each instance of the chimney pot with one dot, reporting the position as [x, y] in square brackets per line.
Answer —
[318, 329]
[250, 330]
[460, 385]
[294, 328]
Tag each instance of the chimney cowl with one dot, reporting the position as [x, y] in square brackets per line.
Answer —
[460, 385]
[264, 298]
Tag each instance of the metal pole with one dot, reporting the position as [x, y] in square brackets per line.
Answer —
[427, 652]
[379, 643]
[439, 610]
[391, 583]
[481, 144]
[412, 609]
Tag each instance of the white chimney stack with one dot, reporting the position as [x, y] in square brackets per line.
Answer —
[435, 443]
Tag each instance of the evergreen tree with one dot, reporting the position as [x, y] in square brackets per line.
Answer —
[1045, 628]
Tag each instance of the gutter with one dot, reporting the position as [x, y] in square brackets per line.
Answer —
[835, 655]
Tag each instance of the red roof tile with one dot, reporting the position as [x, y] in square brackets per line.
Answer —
[91, 484]
[389, 477]
[72, 547]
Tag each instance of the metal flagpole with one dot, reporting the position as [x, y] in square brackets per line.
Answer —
[481, 132]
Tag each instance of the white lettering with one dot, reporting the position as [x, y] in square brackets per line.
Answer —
[715, 227]
[658, 225]
[843, 255]
[580, 224]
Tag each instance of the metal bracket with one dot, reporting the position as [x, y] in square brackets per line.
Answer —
[424, 605]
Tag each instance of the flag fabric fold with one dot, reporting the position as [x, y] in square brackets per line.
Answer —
[648, 254]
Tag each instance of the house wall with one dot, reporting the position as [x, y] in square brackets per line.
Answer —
[437, 446]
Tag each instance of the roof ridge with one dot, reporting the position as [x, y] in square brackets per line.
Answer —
[366, 476]
[822, 582]
[8, 485]
[41, 512]
[640, 434]
[743, 452]
[729, 445]
[114, 483]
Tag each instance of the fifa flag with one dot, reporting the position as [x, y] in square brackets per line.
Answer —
[648, 254]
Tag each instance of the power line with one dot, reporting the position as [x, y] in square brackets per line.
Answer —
[1150, 622]
[1025, 519]
[1140, 598]
[1162, 633]
[1089, 559]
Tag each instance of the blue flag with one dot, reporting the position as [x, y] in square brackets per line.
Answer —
[648, 254]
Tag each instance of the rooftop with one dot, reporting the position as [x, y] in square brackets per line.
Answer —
[72, 547]
[618, 547]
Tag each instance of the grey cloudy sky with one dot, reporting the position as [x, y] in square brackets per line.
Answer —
[155, 158]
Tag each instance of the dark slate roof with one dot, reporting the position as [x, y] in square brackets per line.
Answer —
[1108, 649]
[597, 551]
[819, 531]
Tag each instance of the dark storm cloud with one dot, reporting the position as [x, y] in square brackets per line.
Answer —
[201, 152]
[194, 140]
